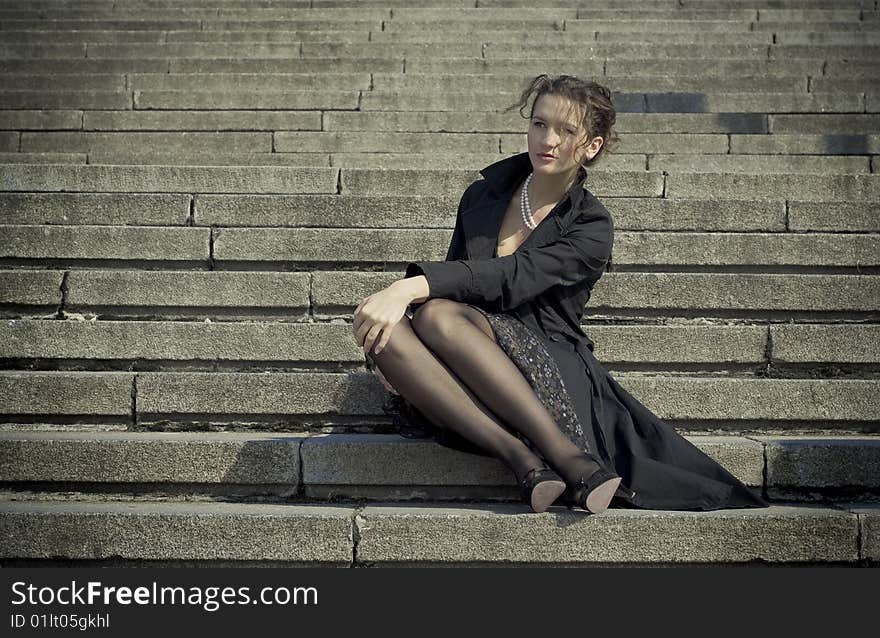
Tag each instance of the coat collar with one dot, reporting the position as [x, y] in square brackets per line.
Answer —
[481, 222]
[505, 175]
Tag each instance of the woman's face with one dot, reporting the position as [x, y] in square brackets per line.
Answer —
[555, 129]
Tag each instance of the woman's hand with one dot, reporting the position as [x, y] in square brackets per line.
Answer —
[376, 314]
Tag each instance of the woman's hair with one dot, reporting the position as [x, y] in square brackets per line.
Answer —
[594, 99]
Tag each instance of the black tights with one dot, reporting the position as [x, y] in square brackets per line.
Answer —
[448, 364]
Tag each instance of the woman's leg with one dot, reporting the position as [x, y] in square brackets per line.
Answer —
[427, 383]
[463, 339]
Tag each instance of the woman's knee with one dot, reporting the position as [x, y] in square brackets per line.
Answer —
[434, 317]
[439, 321]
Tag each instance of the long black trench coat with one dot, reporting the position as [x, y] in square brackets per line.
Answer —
[546, 284]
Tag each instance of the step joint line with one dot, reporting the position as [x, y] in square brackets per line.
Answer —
[134, 394]
[191, 217]
[211, 264]
[311, 308]
[64, 290]
[300, 474]
[859, 522]
[355, 534]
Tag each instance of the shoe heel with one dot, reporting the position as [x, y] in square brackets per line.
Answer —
[540, 488]
[545, 493]
[596, 492]
[600, 498]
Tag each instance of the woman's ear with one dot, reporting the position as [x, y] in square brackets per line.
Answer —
[594, 146]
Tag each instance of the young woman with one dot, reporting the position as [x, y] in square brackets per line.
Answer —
[494, 361]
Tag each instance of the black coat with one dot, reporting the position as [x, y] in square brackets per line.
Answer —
[546, 283]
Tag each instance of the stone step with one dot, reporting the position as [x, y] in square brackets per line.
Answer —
[159, 179]
[303, 401]
[629, 162]
[828, 37]
[852, 68]
[277, 247]
[432, 534]
[392, 182]
[46, 158]
[203, 65]
[407, 121]
[175, 344]
[856, 83]
[600, 37]
[759, 164]
[805, 144]
[823, 124]
[809, 56]
[475, 161]
[269, 82]
[338, 142]
[295, 296]
[497, 78]
[119, 36]
[345, 211]
[134, 5]
[664, 101]
[398, 161]
[250, 465]
[446, 151]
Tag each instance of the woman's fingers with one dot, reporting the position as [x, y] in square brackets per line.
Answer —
[371, 337]
[386, 335]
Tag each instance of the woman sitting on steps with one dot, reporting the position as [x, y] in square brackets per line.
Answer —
[494, 362]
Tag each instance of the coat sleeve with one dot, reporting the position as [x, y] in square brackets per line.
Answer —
[502, 283]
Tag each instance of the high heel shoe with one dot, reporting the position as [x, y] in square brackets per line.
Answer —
[540, 487]
[594, 494]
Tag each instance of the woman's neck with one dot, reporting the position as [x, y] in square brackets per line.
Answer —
[546, 189]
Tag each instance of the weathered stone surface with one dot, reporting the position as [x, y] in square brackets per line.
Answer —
[220, 458]
[30, 287]
[114, 209]
[219, 291]
[70, 393]
[392, 535]
[105, 243]
[312, 534]
[163, 179]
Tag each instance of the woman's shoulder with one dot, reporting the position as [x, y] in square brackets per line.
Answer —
[591, 208]
[472, 195]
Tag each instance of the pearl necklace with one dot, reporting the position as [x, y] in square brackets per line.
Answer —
[524, 207]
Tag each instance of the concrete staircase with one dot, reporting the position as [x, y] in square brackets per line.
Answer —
[195, 196]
